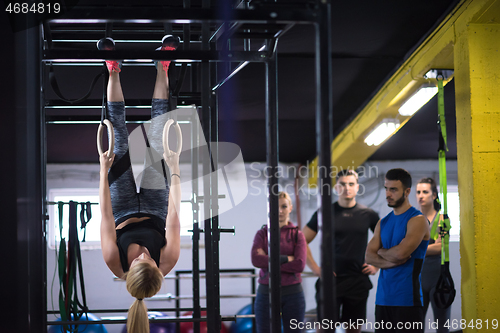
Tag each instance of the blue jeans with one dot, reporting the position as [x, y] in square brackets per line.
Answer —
[124, 197]
[293, 306]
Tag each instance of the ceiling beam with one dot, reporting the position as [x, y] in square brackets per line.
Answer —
[348, 149]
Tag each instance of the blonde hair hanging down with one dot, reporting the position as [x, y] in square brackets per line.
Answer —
[142, 280]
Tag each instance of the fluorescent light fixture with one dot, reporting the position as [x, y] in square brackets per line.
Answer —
[419, 99]
[72, 21]
[382, 132]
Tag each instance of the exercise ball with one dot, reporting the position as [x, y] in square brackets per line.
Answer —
[90, 328]
[165, 327]
[243, 325]
[187, 326]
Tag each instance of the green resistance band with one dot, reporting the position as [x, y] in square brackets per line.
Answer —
[443, 147]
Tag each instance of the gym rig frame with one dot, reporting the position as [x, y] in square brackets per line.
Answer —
[27, 236]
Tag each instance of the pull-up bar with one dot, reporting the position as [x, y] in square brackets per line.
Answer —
[178, 56]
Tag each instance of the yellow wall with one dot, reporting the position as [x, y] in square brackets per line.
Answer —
[477, 86]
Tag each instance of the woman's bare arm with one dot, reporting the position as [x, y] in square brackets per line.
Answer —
[109, 248]
[171, 251]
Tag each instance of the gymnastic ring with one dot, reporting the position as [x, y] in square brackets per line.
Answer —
[111, 137]
[178, 132]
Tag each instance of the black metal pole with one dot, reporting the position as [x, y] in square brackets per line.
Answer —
[214, 200]
[24, 300]
[253, 280]
[324, 132]
[196, 220]
[273, 221]
[213, 311]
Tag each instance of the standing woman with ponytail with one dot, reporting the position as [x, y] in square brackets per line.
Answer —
[140, 232]
[293, 250]
[427, 196]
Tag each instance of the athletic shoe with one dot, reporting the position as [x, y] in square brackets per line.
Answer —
[108, 44]
[168, 43]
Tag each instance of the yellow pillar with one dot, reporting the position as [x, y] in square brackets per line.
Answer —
[477, 85]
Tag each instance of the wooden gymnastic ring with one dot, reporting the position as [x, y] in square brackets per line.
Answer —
[178, 133]
[111, 137]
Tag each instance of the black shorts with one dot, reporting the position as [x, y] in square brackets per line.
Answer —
[399, 319]
[350, 307]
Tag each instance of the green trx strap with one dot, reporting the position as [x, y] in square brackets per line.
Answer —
[443, 184]
[69, 264]
[445, 288]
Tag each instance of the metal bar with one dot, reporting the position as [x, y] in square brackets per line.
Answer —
[223, 270]
[273, 221]
[124, 321]
[246, 41]
[177, 301]
[82, 119]
[186, 100]
[126, 310]
[214, 201]
[270, 54]
[253, 281]
[196, 215]
[225, 34]
[221, 230]
[178, 55]
[117, 41]
[324, 132]
[169, 297]
[207, 170]
[234, 71]
[43, 176]
[149, 15]
[67, 203]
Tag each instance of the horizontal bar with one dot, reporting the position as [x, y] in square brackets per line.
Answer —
[123, 321]
[148, 15]
[96, 122]
[169, 297]
[190, 276]
[220, 196]
[126, 310]
[183, 101]
[96, 119]
[99, 63]
[236, 70]
[227, 270]
[117, 41]
[226, 230]
[67, 203]
[179, 55]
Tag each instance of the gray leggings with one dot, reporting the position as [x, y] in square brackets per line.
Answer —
[152, 199]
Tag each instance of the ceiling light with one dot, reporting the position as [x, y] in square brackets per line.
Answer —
[419, 99]
[384, 130]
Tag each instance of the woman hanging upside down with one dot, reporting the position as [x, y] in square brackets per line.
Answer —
[140, 232]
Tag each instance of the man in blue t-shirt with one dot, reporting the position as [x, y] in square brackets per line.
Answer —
[398, 248]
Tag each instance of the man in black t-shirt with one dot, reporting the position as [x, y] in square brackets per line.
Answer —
[352, 221]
